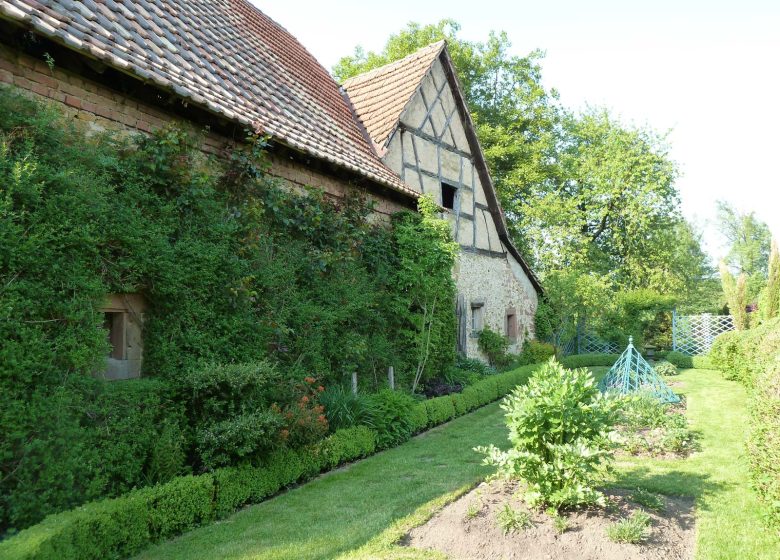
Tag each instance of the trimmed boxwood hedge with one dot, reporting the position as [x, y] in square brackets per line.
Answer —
[120, 527]
[687, 362]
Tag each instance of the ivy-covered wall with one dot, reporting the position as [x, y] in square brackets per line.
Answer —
[234, 268]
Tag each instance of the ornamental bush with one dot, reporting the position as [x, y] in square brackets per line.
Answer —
[752, 357]
[558, 427]
[392, 416]
[439, 410]
[536, 352]
[764, 441]
[591, 359]
[665, 368]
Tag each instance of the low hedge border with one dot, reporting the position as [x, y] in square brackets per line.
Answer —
[677, 358]
[120, 527]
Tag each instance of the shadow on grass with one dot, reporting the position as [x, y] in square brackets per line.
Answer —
[672, 483]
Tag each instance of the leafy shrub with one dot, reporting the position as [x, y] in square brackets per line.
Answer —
[84, 440]
[665, 368]
[120, 527]
[494, 345]
[419, 417]
[474, 366]
[347, 445]
[726, 353]
[462, 378]
[684, 361]
[535, 352]
[220, 391]
[632, 530]
[392, 415]
[242, 437]
[229, 408]
[558, 426]
[440, 387]
[344, 408]
[592, 359]
[679, 359]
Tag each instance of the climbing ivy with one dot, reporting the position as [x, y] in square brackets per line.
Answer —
[234, 266]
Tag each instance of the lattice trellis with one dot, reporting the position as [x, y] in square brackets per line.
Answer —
[588, 343]
[694, 334]
[632, 374]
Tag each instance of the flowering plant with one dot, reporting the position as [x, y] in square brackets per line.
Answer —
[304, 418]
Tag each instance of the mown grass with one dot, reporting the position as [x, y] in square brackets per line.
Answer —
[728, 515]
[344, 509]
[363, 510]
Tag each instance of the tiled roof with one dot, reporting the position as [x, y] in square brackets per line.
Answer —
[224, 55]
[381, 95]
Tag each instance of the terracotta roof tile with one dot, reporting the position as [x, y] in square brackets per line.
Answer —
[222, 54]
[381, 95]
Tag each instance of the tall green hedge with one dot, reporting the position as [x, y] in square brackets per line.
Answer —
[234, 267]
[752, 357]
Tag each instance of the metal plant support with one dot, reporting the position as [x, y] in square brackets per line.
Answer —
[694, 334]
[632, 374]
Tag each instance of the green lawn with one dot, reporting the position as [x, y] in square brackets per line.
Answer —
[359, 511]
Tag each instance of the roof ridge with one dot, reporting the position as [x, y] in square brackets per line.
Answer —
[396, 63]
[395, 84]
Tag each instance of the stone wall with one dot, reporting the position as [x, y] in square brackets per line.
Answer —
[495, 283]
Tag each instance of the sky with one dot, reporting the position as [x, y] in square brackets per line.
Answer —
[707, 71]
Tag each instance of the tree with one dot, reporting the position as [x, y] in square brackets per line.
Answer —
[748, 239]
[581, 192]
[735, 291]
[770, 298]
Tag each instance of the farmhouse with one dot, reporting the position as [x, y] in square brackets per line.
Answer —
[394, 133]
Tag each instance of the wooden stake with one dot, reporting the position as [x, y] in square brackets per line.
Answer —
[391, 377]
[354, 382]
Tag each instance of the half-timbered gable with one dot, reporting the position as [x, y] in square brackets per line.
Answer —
[416, 116]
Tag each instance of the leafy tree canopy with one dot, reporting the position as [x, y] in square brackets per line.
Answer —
[583, 192]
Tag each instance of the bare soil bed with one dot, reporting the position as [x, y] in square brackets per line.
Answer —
[467, 537]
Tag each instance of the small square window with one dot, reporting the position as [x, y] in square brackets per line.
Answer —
[448, 196]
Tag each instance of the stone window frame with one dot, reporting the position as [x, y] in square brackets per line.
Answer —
[477, 317]
[511, 325]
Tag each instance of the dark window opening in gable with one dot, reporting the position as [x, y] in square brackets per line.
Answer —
[448, 194]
